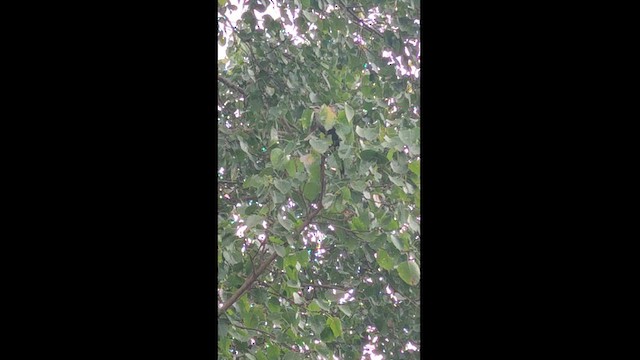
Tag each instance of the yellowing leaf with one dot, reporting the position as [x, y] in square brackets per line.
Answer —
[307, 159]
[327, 117]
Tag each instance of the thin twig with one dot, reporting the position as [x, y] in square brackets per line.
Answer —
[230, 182]
[231, 85]
[361, 23]
[263, 267]
[327, 287]
[258, 330]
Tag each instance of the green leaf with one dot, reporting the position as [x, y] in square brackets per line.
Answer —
[284, 186]
[244, 146]
[294, 284]
[273, 136]
[336, 326]
[343, 130]
[327, 200]
[384, 260]
[310, 16]
[327, 335]
[414, 166]
[408, 137]
[409, 272]
[396, 181]
[290, 166]
[320, 145]
[223, 327]
[280, 250]
[317, 323]
[367, 133]
[349, 112]
[303, 258]
[323, 304]
[358, 225]
[273, 352]
[230, 257]
[252, 221]
[345, 309]
[413, 224]
[312, 189]
[345, 151]
[313, 307]
[305, 120]
[358, 185]
[391, 225]
[269, 90]
[239, 334]
[397, 243]
[373, 156]
[250, 319]
[277, 158]
[346, 194]
[398, 168]
[286, 223]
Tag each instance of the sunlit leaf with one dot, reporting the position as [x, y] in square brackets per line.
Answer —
[327, 117]
[349, 112]
[336, 326]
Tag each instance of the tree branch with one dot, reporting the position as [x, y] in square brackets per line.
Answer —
[361, 22]
[254, 276]
[327, 287]
[231, 85]
[258, 330]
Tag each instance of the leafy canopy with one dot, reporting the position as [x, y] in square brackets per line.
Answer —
[318, 243]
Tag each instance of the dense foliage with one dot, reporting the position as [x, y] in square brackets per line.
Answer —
[319, 187]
